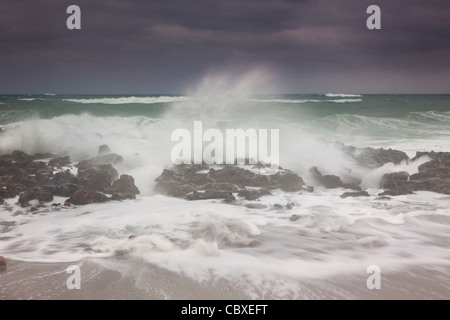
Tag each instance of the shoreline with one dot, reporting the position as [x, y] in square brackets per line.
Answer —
[136, 280]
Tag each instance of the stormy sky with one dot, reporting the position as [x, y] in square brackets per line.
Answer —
[163, 46]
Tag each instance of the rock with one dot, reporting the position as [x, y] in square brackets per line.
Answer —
[103, 149]
[355, 194]
[433, 175]
[3, 264]
[331, 181]
[21, 158]
[286, 181]
[66, 189]
[294, 217]
[195, 182]
[98, 177]
[59, 162]
[396, 184]
[46, 155]
[60, 178]
[277, 206]
[81, 196]
[84, 196]
[255, 206]
[211, 194]
[373, 158]
[383, 198]
[253, 194]
[290, 205]
[67, 203]
[125, 185]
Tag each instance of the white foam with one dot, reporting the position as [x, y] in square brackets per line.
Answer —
[128, 100]
[342, 95]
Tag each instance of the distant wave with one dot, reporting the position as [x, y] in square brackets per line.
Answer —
[342, 95]
[344, 100]
[49, 94]
[27, 99]
[286, 100]
[305, 100]
[125, 100]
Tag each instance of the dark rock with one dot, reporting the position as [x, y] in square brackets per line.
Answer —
[196, 182]
[3, 264]
[33, 209]
[44, 155]
[116, 197]
[67, 203]
[255, 206]
[65, 190]
[21, 158]
[277, 206]
[81, 196]
[396, 184]
[45, 196]
[56, 204]
[290, 205]
[373, 158]
[355, 194]
[59, 162]
[103, 149]
[98, 177]
[287, 181]
[383, 198]
[253, 194]
[331, 181]
[211, 194]
[125, 185]
[294, 217]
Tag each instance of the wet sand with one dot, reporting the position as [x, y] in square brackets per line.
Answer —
[108, 279]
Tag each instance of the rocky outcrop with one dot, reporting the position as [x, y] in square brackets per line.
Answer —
[355, 194]
[372, 158]
[433, 175]
[33, 178]
[197, 182]
[3, 264]
[331, 181]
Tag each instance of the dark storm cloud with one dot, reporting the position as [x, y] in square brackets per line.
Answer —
[160, 46]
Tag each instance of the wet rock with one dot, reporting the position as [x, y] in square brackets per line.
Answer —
[3, 264]
[294, 217]
[125, 186]
[211, 194]
[103, 149]
[255, 206]
[355, 194]
[396, 183]
[286, 181]
[59, 162]
[21, 158]
[290, 205]
[331, 181]
[372, 158]
[81, 196]
[383, 198]
[253, 194]
[67, 203]
[98, 177]
[196, 182]
[65, 190]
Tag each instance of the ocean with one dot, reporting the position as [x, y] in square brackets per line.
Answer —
[210, 249]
